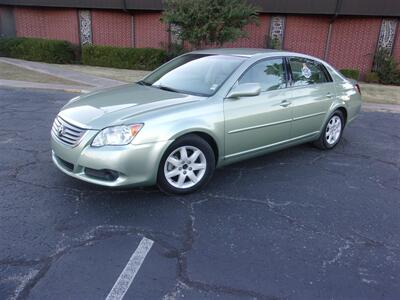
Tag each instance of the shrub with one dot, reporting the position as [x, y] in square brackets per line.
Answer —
[123, 58]
[372, 77]
[350, 73]
[173, 50]
[386, 67]
[209, 22]
[50, 51]
[272, 42]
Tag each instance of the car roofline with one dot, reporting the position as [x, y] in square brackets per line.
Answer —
[260, 53]
[252, 52]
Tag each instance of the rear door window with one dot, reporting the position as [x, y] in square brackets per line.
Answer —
[306, 72]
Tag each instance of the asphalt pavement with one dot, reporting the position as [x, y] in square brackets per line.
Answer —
[295, 224]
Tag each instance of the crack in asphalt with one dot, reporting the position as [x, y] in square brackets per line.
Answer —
[337, 256]
[103, 232]
[183, 279]
[97, 233]
[22, 282]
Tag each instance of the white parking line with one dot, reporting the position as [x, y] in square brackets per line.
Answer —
[125, 279]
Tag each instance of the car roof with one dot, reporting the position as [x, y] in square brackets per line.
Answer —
[236, 51]
[263, 53]
[256, 52]
[251, 52]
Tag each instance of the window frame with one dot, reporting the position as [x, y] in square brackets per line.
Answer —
[285, 71]
[320, 66]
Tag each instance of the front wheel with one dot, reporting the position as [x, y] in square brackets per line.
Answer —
[332, 132]
[186, 166]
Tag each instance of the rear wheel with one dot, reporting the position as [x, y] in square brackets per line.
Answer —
[186, 166]
[332, 132]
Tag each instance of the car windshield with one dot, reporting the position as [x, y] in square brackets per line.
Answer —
[196, 74]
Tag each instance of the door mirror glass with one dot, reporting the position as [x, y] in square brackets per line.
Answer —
[245, 90]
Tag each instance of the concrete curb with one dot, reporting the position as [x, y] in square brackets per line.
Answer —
[376, 107]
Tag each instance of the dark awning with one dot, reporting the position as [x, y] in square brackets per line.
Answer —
[323, 7]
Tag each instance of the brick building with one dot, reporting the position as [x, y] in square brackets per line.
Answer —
[344, 32]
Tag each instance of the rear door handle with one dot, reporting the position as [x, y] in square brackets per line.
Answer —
[285, 103]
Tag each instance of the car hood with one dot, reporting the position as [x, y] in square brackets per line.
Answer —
[120, 105]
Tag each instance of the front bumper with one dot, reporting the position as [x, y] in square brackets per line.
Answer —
[135, 165]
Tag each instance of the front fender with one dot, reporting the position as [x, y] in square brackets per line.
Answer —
[214, 133]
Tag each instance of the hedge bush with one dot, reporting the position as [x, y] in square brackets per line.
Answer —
[50, 51]
[386, 67]
[371, 77]
[351, 73]
[124, 58]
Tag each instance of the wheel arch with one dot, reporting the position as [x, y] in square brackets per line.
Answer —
[209, 138]
[343, 110]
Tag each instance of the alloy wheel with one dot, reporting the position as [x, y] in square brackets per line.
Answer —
[185, 167]
[333, 130]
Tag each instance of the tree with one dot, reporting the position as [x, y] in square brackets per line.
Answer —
[206, 22]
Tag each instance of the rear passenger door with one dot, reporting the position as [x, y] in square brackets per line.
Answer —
[312, 95]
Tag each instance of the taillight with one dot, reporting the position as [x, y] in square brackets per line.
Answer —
[357, 86]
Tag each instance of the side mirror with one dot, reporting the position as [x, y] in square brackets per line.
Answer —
[245, 90]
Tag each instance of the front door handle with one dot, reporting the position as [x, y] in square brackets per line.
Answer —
[329, 96]
[285, 103]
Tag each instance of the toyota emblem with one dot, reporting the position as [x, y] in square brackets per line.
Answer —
[61, 131]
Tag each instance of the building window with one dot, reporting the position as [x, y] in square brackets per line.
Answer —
[85, 27]
[276, 32]
[387, 34]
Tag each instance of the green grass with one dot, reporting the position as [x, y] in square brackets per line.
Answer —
[11, 72]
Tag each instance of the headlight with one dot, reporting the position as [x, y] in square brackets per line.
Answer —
[116, 135]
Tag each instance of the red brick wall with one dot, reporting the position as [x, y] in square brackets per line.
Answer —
[353, 42]
[306, 34]
[396, 46]
[57, 24]
[256, 35]
[1, 16]
[149, 30]
[113, 28]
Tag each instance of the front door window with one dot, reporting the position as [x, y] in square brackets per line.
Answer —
[270, 74]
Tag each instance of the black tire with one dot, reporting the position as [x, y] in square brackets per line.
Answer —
[322, 142]
[190, 140]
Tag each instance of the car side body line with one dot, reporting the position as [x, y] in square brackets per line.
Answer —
[273, 145]
[310, 115]
[259, 126]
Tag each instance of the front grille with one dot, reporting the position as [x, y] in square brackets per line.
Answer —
[66, 132]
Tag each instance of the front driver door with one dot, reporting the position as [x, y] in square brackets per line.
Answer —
[259, 122]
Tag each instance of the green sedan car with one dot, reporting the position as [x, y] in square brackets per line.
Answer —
[202, 110]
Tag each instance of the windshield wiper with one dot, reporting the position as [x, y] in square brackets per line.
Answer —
[166, 88]
[141, 82]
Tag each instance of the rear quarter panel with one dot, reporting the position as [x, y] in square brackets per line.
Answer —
[347, 96]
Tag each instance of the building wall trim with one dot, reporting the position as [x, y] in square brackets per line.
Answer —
[325, 7]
